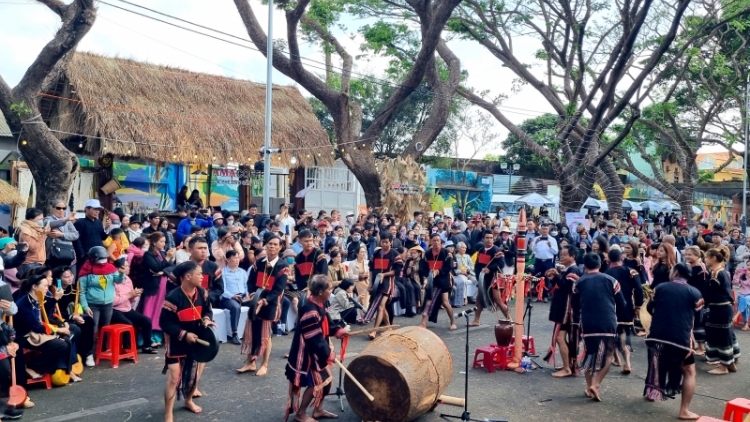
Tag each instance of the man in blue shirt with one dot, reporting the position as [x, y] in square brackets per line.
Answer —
[235, 291]
[192, 219]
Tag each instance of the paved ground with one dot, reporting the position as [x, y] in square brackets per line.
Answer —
[133, 392]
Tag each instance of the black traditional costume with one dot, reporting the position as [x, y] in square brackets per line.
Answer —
[721, 343]
[212, 281]
[595, 299]
[180, 315]
[486, 259]
[561, 313]
[306, 265]
[699, 280]
[414, 283]
[632, 292]
[383, 262]
[442, 262]
[311, 355]
[674, 306]
[269, 283]
[642, 279]
[509, 250]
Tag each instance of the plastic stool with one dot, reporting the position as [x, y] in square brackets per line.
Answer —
[528, 344]
[221, 324]
[736, 409]
[492, 357]
[115, 352]
[45, 378]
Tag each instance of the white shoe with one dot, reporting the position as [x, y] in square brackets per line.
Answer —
[282, 327]
[90, 361]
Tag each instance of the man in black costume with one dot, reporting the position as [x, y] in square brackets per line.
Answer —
[312, 354]
[595, 299]
[185, 309]
[490, 261]
[632, 292]
[562, 280]
[439, 263]
[270, 280]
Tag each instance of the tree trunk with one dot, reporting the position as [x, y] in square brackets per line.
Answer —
[686, 203]
[614, 190]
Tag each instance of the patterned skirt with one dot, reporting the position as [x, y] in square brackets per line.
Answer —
[721, 343]
[596, 350]
[664, 376]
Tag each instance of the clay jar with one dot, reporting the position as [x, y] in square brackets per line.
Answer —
[503, 332]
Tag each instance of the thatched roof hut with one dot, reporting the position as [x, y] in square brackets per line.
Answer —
[10, 195]
[163, 114]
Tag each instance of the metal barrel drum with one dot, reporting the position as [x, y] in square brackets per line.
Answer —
[405, 370]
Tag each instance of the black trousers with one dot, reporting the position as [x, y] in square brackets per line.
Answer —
[83, 336]
[140, 322]
[53, 355]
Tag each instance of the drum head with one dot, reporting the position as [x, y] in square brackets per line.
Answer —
[203, 353]
[254, 303]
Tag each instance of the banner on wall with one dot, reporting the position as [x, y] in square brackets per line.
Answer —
[574, 219]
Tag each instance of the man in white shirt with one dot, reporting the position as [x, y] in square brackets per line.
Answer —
[545, 250]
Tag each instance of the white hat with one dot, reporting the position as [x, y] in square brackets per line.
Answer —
[93, 203]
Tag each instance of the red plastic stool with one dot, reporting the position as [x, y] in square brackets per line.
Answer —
[709, 419]
[115, 352]
[45, 379]
[736, 409]
[492, 357]
[528, 344]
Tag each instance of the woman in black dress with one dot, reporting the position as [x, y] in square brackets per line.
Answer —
[721, 344]
[699, 280]
[665, 260]
[600, 246]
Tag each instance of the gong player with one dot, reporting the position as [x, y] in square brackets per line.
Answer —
[312, 354]
[490, 260]
[438, 263]
[185, 310]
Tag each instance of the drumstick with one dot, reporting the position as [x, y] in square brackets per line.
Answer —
[354, 380]
[370, 330]
[453, 401]
[202, 342]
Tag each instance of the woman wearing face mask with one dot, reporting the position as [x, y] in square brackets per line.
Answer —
[62, 233]
[33, 232]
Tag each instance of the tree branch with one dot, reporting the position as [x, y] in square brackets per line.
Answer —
[56, 6]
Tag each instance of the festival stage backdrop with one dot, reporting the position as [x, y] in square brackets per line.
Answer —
[468, 190]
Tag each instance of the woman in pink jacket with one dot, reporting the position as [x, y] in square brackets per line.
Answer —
[123, 312]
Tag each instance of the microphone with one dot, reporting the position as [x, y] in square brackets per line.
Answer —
[465, 313]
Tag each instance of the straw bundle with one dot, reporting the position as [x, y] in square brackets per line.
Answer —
[171, 115]
[10, 195]
[397, 176]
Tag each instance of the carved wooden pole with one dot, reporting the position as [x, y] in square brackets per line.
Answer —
[520, 287]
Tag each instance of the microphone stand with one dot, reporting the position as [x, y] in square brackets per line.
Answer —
[466, 415]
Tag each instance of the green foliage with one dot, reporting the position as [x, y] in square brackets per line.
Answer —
[543, 130]
[705, 176]
[20, 109]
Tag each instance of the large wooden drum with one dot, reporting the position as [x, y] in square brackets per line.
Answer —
[406, 371]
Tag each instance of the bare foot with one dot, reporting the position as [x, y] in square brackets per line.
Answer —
[197, 394]
[262, 371]
[189, 405]
[422, 325]
[699, 352]
[616, 362]
[453, 327]
[688, 416]
[595, 393]
[587, 392]
[721, 370]
[745, 328]
[732, 368]
[168, 418]
[304, 418]
[249, 367]
[33, 374]
[562, 373]
[324, 414]
[712, 363]
[474, 324]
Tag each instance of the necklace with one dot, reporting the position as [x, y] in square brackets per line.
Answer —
[192, 305]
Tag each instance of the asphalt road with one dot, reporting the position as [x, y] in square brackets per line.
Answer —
[134, 392]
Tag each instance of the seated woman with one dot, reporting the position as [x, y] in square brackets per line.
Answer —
[65, 299]
[52, 342]
[345, 309]
[336, 270]
[123, 309]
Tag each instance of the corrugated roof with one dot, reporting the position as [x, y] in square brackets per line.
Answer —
[4, 129]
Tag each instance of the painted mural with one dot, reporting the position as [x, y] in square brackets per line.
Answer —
[459, 189]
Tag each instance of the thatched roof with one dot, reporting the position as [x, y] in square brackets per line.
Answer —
[10, 195]
[163, 114]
